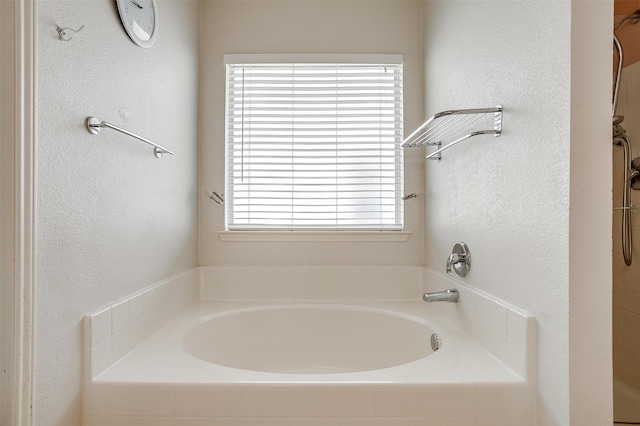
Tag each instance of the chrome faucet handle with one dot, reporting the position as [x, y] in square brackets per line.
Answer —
[452, 260]
[459, 260]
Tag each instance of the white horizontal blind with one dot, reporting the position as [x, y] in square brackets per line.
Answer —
[314, 146]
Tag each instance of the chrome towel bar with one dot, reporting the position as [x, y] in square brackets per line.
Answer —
[94, 125]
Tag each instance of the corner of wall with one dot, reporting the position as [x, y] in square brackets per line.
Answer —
[7, 139]
[590, 239]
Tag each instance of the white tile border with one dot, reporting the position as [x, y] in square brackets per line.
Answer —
[361, 283]
[113, 330]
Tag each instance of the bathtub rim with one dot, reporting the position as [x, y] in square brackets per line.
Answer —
[304, 304]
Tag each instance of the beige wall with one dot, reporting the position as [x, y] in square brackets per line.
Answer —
[305, 27]
[111, 218]
[533, 204]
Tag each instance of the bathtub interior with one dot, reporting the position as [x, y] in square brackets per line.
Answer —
[309, 339]
[483, 367]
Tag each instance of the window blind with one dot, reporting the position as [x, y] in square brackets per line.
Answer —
[313, 146]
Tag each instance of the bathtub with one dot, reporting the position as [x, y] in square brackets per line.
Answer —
[310, 339]
[312, 363]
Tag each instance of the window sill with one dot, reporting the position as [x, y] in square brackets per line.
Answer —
[315, 236]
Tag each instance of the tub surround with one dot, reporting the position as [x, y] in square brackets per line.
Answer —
[482, 381]
[461, 383]
[331, 405]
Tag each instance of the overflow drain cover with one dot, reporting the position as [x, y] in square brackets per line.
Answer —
[435, 342]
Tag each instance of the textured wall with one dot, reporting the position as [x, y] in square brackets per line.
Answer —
[508, 198]
[111, 218]
[305, 27]
[6, 204]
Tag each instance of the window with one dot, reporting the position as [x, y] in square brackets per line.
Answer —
[314, 145]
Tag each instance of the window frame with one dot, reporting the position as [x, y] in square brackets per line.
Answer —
[315, 233]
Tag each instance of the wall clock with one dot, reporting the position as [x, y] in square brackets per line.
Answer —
[140, 20]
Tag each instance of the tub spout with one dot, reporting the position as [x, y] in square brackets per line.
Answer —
[449, 295]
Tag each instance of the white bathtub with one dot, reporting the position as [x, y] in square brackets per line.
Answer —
[310, 339]
[236, 363]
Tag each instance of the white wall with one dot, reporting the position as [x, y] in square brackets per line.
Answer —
[111, 218]
[305, 27]
[6, 205]
[532, 204]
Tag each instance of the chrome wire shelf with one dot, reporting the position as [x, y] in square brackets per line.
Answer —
[451, 127]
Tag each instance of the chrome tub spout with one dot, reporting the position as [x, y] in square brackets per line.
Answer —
[449, 295]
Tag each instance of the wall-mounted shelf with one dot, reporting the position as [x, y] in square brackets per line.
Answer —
[451, 127]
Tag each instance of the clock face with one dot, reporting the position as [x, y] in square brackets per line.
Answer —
[140, 20]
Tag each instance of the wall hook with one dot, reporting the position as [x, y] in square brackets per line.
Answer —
[64, 36]
[215, 197]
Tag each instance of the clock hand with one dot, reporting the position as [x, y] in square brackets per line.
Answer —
[136, 4]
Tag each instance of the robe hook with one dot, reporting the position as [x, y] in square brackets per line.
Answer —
[215, 197]
[62, 33]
